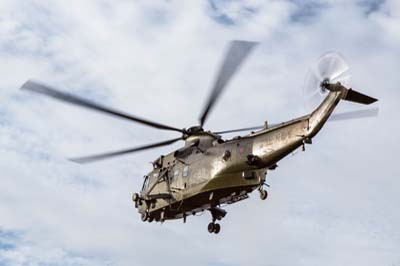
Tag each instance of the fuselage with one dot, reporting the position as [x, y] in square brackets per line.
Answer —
[209, 172]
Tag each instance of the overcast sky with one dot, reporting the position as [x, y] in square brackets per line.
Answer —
[335, 204]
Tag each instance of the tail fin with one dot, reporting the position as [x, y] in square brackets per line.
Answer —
[354, 96]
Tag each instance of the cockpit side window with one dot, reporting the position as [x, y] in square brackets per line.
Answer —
[145, 183]
[149, 180]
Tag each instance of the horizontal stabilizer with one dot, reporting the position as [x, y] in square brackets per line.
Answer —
[354, 96]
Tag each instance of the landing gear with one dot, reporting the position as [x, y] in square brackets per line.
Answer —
[263, 194]
[217, 214]
[213, 228]
[217, 228]
[145, 216]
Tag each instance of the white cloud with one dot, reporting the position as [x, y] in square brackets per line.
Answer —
[334, 204]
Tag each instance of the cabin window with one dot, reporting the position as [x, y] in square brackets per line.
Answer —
[185, 172]
[154, 177]
[176, 173]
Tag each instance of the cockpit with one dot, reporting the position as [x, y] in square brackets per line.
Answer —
[149, 179]
[194, 144]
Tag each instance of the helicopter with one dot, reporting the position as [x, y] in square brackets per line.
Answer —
[210, 172]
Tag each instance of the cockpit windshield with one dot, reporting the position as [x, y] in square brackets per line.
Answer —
[145, 183]
[149, 179]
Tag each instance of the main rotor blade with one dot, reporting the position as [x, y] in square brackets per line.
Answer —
[237, 52]
[238, 130]
[92, 158]
[66, 97]
[334, 117]
[354, 114]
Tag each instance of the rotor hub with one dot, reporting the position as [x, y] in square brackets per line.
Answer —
[192, 131]
[324, 85]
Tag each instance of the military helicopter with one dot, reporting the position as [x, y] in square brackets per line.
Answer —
[209, 172]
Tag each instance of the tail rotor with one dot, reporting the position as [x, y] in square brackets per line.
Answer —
[329, 68]
[322, 77]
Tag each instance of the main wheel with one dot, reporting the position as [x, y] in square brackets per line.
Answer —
[217, 228]
[263, 194]
[211, 227]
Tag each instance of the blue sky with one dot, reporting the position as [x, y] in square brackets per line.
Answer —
[335, 204]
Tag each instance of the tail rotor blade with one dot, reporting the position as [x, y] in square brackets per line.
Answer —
[332, 65]
[237, 52]
[332, 68]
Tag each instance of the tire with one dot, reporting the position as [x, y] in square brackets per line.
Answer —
[217, 228]
[211, 227]
[145, 216]
[263, 194]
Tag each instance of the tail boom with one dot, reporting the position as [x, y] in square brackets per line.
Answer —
[336, 93]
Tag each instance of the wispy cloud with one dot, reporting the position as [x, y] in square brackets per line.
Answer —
[16, 250]
[307, 11]
[231, 12]
[371, 6]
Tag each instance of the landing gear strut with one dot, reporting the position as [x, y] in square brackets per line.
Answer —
[217, 214]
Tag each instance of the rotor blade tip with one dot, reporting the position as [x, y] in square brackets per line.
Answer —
[26, 84]
[76, 160]
[245, 42]
[235, 55]
[33, 85]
